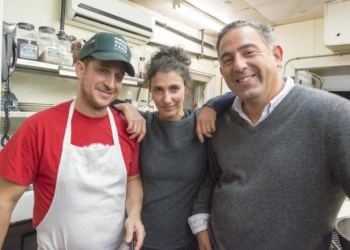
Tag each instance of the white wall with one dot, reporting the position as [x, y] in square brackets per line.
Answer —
[47, 13]
[39, 13]
[303, 39]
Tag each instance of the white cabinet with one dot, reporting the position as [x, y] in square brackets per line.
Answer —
[337, 25]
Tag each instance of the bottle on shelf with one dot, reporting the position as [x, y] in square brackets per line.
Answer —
[141, 68]
[76, 46]
[143, 105]
[27, 45]
[64, 45]
[48, 45]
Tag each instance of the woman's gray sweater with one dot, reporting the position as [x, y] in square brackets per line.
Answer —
[173, 163]
[279, 185]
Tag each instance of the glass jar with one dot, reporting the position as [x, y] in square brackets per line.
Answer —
[27, 45]
[76, 46]
[64, 46]
[48, 45]
[141, 68]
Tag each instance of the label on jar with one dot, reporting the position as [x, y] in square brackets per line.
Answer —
[66, 59]
[27, 50]
[51, 54]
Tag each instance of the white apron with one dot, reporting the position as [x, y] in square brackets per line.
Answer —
[88, 207]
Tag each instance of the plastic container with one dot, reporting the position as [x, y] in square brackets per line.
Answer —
[27, 45]
[48, 45]
[64, 45]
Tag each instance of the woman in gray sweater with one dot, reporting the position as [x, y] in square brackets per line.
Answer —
[172, 159]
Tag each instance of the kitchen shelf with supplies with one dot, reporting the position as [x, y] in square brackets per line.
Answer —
[27, 109]
[18, 114]
[30, 92]
[65, 71]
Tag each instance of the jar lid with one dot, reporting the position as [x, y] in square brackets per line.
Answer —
[46, 29]
[25, 26]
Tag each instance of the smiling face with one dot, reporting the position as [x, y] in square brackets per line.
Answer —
[168, 92]
[100, 83]
[249, 66]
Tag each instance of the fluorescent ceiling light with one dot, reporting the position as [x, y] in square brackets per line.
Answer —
[196, 16]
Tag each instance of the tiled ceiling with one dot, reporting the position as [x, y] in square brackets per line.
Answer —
[275, 12]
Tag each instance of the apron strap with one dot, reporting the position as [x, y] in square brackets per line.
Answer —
[67, 135]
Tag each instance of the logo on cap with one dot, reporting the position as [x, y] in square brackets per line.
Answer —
[108, 47]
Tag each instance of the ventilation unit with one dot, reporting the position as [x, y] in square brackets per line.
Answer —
[336, 26]
[135, 23]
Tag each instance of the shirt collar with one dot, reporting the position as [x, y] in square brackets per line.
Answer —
[288, 85]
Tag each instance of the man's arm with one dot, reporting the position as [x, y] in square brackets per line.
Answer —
[201, 208]
[136, 122]
[213, 107]
[10, 193]
[222, 102]
[134, 199]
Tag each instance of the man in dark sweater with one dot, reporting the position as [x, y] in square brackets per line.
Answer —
[280, 159]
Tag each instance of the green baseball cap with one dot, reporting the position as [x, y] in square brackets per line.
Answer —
[105, 46]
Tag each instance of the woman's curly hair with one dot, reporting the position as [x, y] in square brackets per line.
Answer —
[169, 59]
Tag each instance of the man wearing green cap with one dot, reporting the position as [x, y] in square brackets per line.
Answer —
[80, 159]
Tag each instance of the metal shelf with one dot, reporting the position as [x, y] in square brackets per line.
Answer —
[58, 71]
[328, 75]
[18, 114]
[65, 71]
